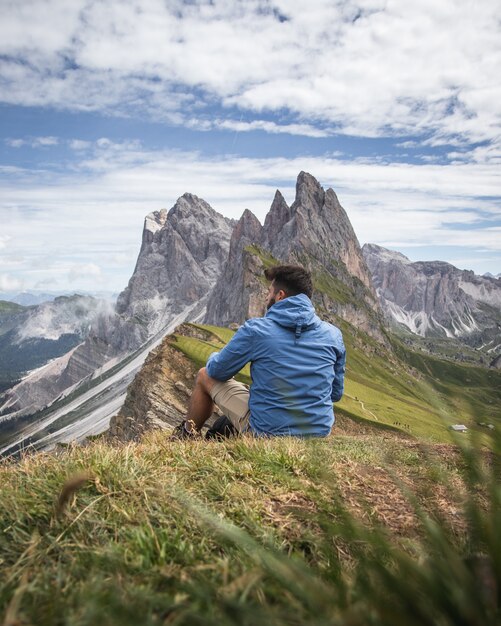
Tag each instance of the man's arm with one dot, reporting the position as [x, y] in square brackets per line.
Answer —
[225, 364]
[338, 382]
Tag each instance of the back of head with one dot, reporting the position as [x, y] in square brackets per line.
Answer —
[293, 279]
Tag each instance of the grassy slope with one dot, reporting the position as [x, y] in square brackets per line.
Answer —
[350, 529]
[385, 393]
[7, 307]
[242, 532]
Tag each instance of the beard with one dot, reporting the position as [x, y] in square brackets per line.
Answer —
[270, 303]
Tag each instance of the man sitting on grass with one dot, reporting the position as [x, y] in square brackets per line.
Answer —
[297, 368]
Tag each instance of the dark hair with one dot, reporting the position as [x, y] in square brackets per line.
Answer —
[293, 279]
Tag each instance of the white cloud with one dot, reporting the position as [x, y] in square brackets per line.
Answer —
[371, 67]
[45, 141]
[9, 283]
[306, 130]
[80, 144]
[47, 283]
[85, 270]
[34, 142]
[15, 143]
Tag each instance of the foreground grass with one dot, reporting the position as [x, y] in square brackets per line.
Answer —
[348, 530]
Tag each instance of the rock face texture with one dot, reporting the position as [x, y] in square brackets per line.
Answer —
[239, 292]
[315, 232]
[181, 257]
[315, 224]
[158, 396]
[437, 299]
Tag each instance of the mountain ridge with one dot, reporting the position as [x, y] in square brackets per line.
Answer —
[436, 299]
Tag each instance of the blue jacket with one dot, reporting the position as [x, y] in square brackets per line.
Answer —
[297, 368]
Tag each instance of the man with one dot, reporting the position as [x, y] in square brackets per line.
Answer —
[297, 368]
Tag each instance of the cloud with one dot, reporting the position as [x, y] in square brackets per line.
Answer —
[367, 68]
[79, 144]
[9, 283]
[47, 283]
[33, 142]
[85, 270]
[306, 130]
[45, 141]
[15, 143]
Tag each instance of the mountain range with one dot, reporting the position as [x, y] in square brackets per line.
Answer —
[197, 266]
[435, 299]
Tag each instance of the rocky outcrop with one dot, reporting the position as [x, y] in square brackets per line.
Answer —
[240, 292]
[182, 256]
[435, 299]
[314, 231]
[158, 396]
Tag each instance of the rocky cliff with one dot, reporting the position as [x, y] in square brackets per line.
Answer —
[314, 231]
[181, 257]
[435, 299]
[158, 396]
[240, 291]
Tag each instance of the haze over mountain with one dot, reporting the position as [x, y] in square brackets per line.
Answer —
[30, 336]
[30, 298]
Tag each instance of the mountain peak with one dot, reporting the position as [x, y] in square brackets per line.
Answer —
[309, 192]
[383, 254]
[248, 216]
[155, 220]
[230, 301]
[278, 215]
[247, 230]
[189, 204]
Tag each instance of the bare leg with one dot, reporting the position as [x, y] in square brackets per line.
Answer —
[201, 405]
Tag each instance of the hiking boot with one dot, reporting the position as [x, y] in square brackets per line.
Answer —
[221, 429]
[181, 431]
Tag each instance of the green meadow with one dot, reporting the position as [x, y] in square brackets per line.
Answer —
[415, 393]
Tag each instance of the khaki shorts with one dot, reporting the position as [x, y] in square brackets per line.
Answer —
[232, 398]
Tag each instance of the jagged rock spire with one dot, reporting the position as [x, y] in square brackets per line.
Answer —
[317, 224]
[309, 193]
[234, 296]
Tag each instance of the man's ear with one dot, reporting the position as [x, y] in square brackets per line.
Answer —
[280, 295]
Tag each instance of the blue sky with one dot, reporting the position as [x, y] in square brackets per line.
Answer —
[112, 109]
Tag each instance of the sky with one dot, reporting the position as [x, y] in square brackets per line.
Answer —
[112, 109]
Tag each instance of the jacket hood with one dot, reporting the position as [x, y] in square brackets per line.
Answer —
[295, 313]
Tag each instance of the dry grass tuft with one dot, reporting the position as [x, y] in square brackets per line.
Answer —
[69, 489]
